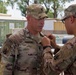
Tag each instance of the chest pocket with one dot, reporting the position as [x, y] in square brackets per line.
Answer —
[28, 54]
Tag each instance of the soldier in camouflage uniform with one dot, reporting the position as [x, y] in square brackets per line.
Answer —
[22, 51]
[65, 58]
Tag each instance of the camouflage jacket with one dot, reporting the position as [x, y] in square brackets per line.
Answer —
[64, 59]
[22, 54]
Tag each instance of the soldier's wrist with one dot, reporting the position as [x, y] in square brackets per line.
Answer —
[47, 49]
[44, 47]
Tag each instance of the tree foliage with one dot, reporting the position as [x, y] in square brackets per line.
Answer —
[55, 5]
[2, 7]
[11, 3]
[49, 4]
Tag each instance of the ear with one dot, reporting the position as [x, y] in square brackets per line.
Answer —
[29, 17]
[72, 19]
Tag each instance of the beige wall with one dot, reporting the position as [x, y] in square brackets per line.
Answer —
[59, 26]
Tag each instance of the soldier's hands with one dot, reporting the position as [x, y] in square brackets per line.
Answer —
[47, 52]
[45, 41]
[52, 40]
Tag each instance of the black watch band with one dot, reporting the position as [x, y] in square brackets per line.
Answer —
[44, 47]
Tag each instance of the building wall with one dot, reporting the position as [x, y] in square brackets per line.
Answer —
[59, 26]
[7, 26]
[49, 24]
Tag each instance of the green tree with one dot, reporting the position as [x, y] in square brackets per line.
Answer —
[54, 4]
[11, 3]
[2, 7]
[50, 14]
[22, 4]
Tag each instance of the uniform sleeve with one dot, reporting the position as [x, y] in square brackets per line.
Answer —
[63, 58]
[7, 57]
[47, 58]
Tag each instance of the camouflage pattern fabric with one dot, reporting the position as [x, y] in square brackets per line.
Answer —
[64, 59]
[28, 52]
[22, 55]
[71, 10]
[37, 11]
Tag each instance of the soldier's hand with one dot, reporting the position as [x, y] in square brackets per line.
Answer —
[45, 41]
[52, 40]
[47, 52]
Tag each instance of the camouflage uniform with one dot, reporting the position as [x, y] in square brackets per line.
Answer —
[65, 58]
[22, 52]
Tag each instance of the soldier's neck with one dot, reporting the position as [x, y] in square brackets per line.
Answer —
[32, 32]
